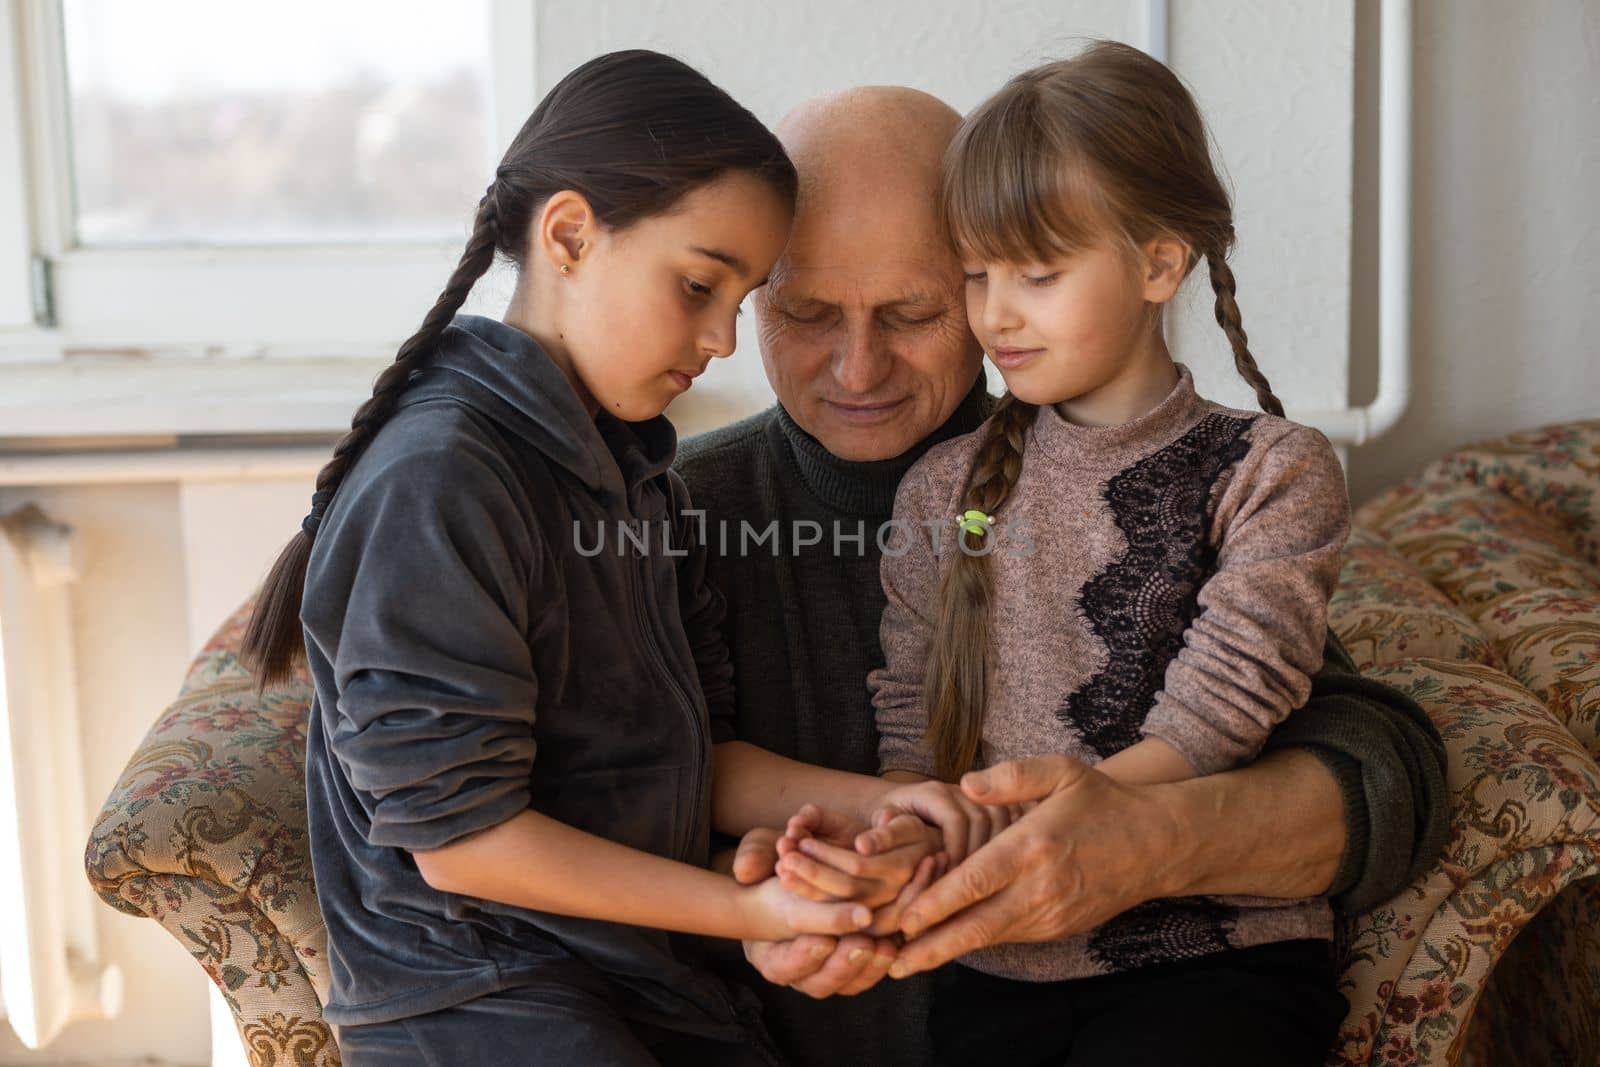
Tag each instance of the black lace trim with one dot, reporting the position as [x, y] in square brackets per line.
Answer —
[1163, 931]
[1142, 603]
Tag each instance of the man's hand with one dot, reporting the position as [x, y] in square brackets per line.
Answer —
[815, 965]
[1087, 851]
[1091, 847]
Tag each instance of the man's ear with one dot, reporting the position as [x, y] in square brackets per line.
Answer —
[564, 229]
[1166, 262]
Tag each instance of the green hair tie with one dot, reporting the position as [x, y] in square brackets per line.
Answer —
[975, 523]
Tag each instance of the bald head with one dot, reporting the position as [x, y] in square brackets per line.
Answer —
[863, 330]
[866, 148]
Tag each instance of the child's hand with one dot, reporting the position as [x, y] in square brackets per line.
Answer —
[886, 920]
[819, 860]
[834, 827]
[964, 823]
[772, 913]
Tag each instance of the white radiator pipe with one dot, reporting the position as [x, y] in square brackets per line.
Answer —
[1157, 37]
[51, 969]
[1355, 426]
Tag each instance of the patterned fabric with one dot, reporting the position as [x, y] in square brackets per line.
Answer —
[1385, 611]
[1525, 825]
[1142, 603]
[1476, 546]
[205, 832]
[1475, 588]
[1160, 931]
[1490, 559]
[1540, 1008]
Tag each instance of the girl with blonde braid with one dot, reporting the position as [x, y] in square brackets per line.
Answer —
[1112, 567]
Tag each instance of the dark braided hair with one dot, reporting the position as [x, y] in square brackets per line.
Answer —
[1108, 143]
[633, 132]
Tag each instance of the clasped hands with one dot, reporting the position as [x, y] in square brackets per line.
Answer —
[1080, 848]
[831, 856]
[915, 834]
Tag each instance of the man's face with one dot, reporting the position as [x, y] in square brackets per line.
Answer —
[863, 329]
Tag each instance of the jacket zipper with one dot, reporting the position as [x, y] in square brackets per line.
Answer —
[701, 760]
[658, 660]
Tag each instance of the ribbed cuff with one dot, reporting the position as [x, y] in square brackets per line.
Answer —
[1352, 794]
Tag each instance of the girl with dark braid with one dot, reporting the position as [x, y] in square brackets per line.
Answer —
[1112, 567]
[510, 781]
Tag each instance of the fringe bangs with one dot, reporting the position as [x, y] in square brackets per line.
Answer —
[1012, 190]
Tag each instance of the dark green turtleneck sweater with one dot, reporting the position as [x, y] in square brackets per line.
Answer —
[802, 624]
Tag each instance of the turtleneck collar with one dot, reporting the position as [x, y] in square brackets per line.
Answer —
[1177, 411]
[867, 487]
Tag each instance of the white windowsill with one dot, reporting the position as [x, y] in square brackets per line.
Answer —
[130, 396]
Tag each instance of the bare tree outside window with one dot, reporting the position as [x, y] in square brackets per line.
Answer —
[291, 123]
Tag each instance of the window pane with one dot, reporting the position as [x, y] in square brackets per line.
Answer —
[291, 122]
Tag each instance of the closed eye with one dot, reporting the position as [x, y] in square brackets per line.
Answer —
[911, 322]
[703, 292]
[816, 318]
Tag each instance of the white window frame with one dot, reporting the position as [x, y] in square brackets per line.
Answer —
[254, 340]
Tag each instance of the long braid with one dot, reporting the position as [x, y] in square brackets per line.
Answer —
[476, 259]
[958, 664]
[272, 646]
[1232, 324]
[633, 132]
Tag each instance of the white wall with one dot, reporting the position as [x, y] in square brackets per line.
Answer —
[1505, 228]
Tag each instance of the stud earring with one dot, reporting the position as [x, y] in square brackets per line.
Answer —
[566, 269]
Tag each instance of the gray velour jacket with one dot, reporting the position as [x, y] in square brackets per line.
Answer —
[484, 637]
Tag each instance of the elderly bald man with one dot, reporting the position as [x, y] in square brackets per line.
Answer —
[864, 339]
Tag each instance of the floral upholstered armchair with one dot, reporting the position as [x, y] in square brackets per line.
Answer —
[1474, 587]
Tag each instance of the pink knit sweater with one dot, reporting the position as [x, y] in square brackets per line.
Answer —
[1166, 577]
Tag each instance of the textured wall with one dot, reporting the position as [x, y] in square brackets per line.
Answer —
[1505, 231]
[1274, 83]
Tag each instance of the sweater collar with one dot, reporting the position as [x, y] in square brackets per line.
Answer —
[1065, 440]
[867, 488]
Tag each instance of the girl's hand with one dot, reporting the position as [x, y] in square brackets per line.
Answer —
[819, 861]
[964, 823]
[834, 827]
[886, 920]
[769, 912]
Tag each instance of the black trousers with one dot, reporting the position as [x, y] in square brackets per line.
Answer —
[1272, 1005]
[550, 1025]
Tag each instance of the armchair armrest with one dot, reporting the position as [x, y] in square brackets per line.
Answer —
[205, 832]
[1525, 825]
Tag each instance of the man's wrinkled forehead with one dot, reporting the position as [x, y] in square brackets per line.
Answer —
[858, 243]
[866, 227]
[919, 282]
